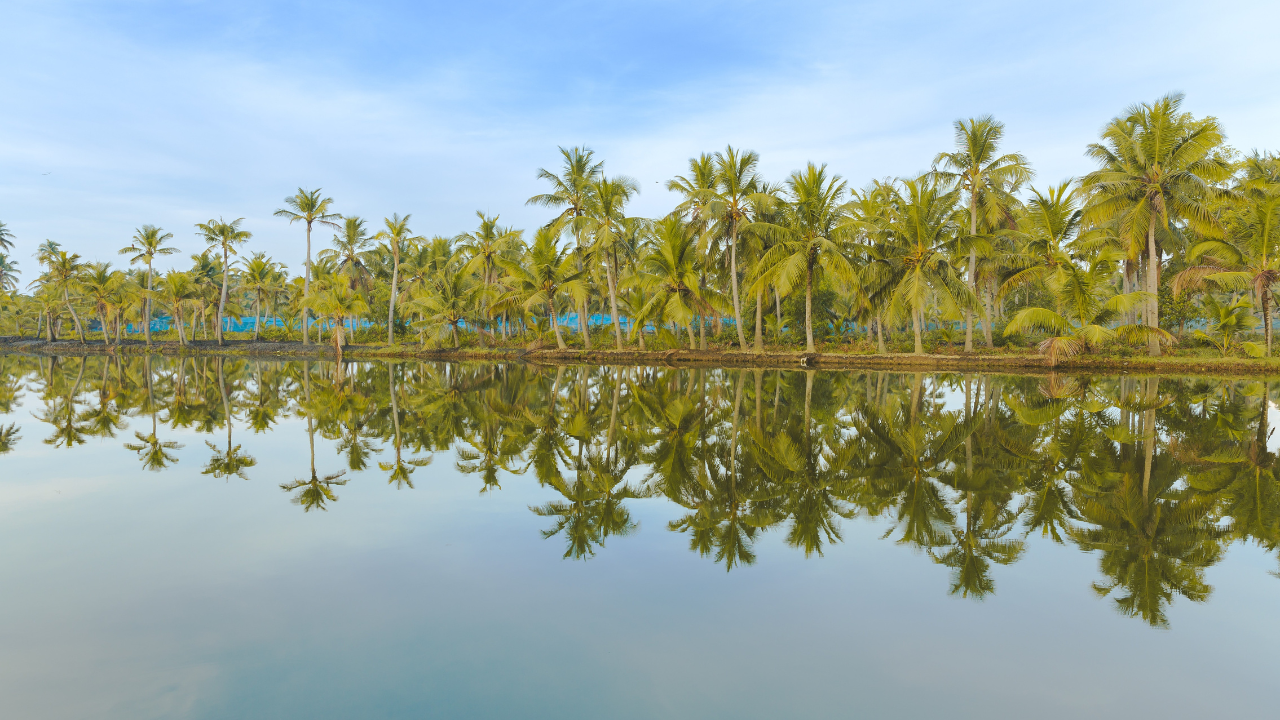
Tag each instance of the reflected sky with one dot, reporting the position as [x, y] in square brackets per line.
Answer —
[446, 591]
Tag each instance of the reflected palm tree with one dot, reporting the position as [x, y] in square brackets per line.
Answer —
[314, 492]
[229, 461]
[8, 437]
[400, 469]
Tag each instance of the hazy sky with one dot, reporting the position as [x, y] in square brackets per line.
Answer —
[116, 114]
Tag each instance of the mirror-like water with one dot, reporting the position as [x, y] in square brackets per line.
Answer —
[214, 537]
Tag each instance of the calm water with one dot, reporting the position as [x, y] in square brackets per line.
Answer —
[226, 538]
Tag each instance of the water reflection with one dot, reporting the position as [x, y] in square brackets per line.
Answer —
[1156, 476]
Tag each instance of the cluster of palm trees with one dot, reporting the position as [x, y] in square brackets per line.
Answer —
[1157, 476]
[1172, 228]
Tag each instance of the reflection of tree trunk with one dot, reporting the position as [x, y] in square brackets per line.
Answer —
[760, 320]
[613, 412]
[395, 408]
[733, 439]
[916, 386]
[808, 396]
[968, 440]
[759, 388]
[1149, 432]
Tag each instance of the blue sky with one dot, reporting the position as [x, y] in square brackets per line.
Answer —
[116, 114]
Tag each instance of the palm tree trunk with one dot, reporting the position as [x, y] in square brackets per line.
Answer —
[733, 274]
[915, 327]
[79, 329]
[759, 340]
[146, 312]
[808, 311]
[391, 305]
[337, 341]
[1266, 319]
[177, 312]
[106, 340]
[986, 326]
[306, 292]
[555, 325]
[973, 269]
[1153, 279]
[611, 277]
[222, 297]
[880, 335]
[693, 345]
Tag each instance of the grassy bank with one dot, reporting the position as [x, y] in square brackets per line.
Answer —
[1001, 359]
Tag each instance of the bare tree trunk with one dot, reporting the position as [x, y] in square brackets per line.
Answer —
[611, 277]
[306, 293]
[808, 312]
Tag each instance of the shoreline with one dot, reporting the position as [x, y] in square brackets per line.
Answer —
[1023, 363]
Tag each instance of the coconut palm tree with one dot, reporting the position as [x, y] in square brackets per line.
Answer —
[6, 237]
[350, 249]
[261, 276]
[482, 249]
[810, 232]
[1159, 165]
[9, 437]
[678, 294]
[605, 223]
[62, 276]
[176, 289]
[100, 285]
[921, 225]
[1087, 312]
[148, 243]
[545, 273]
[308, 207]
[989, 181]
[448, 304]
[338, 302]
[224, 236]
[396, 239]
[8, 273]
[571, 190]
[737, 184]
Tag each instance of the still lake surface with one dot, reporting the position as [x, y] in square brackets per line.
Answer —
[229, 538]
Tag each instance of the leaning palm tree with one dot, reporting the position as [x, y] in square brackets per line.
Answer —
[396, 239]
[308, 207]
[62, 276]
[571, 190]
[810, 232]
[148, 243]
[989, 180]
[8, 273]
[224, 236]
[1159, 166]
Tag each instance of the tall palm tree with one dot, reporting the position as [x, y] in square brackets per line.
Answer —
[989, 181]
[811, 230]
[606, 222]
[148, 243]
[224, 236]
[1159, 165]
[308, 207]
[737, 183]
[8, 273]
[571, 190]
[396, 239]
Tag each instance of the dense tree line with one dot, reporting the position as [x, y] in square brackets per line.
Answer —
[1157, 476]
[1171, 239]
